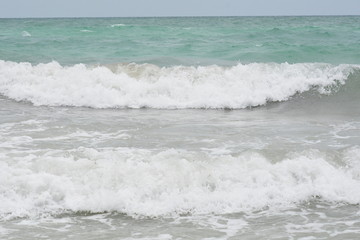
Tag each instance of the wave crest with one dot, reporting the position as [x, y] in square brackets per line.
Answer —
[131, 85]
[172, 182]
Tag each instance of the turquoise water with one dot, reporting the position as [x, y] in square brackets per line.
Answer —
[180, 128]
[168, 41]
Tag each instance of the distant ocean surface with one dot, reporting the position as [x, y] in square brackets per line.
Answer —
[180, 128]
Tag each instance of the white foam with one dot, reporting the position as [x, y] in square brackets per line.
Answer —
[146, 85]
[118, 25]
[26, 34]
[171, 182]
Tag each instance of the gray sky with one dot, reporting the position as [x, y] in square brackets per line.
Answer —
[122, 8]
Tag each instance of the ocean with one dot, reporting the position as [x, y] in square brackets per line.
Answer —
[180, 128]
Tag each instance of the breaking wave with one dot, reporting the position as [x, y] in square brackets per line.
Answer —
[172, 182]
[131, 85]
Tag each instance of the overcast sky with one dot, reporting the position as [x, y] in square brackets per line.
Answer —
[125, 8]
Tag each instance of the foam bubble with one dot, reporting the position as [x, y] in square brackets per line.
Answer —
[145, 85]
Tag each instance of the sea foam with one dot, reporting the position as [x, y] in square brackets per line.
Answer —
[26, 34]
[118, 25]
[172, 182]
[146, 85]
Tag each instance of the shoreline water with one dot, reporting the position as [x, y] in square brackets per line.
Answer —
[202, 131]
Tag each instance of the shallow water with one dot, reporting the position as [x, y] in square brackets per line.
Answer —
[177, 174]
[311, 222]
[165, 148]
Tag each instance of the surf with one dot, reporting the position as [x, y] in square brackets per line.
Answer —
[132, 85]
[173, 182]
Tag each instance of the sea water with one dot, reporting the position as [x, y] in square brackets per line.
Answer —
[180, 128]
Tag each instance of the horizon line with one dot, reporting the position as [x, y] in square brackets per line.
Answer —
[190, 16]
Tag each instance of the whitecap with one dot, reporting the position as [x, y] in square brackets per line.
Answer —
[26, 34]
[178, 87]
[85, 30]
[172, 182]
[118, 25]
